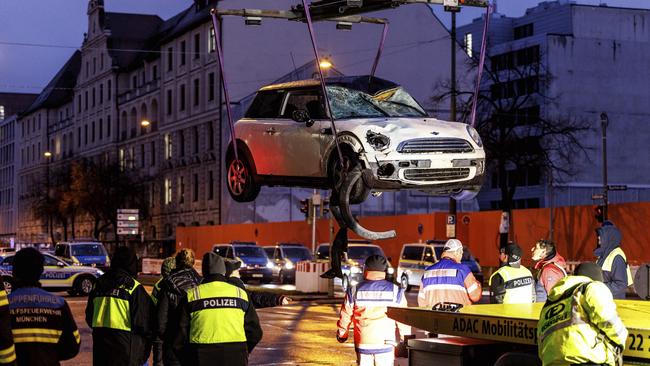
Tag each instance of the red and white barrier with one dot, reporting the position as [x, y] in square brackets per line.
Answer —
[308, 276]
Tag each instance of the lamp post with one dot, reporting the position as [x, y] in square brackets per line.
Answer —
[48, 155]
[604, 121]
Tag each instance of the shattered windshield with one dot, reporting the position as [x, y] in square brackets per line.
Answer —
[349, 103]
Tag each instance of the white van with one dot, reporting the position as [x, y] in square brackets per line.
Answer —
[413, 260]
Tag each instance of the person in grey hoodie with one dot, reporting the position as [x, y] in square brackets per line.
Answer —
[612, 260]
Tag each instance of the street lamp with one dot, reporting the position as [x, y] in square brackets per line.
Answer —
[47, 154]
[145, 123]
[325, 64]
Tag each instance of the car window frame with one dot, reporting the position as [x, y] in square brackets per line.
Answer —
[287, 94]
[420, 247]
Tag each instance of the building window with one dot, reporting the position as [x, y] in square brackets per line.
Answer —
[181, 143]
[170, 105]
[182, 98]
[94, 65]
[468, 44]
[108, 126]
[94, 97]
[2, 112]
[153, 154]
[168, 191]
[79, 103]
[210, 136]
[101, 94]
[78, 136]
[197, 45]
[210, 185]
[197, 86]
[152, 195]
[211, 86]
[195, 188]
[86, 100]
[170, 59]
[212, 46]
[195, 136]
[134, 81]
[131, 159]
[154, 72]
[85, 134]
[523, 31]
[183, 52]
[142, 156]
[181, 189]
[108, 91]
[92, 135]
[168, 144]
[121, 159]
[101, 128]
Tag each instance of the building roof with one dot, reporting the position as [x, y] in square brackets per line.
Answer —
[130, 32]
[60, 89]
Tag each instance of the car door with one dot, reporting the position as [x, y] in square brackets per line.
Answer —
[296, 149]
[55, 273]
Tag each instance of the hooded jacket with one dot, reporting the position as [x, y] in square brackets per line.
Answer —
[551, 270]
[616, 277]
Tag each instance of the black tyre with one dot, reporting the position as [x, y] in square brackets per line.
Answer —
[359, 192]
[8, 284]
[404, 283]
[241, 178]
[83, 285]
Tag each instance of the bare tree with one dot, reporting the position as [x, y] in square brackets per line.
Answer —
[514, 117]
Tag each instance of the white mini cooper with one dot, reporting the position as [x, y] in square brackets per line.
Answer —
[286, 139]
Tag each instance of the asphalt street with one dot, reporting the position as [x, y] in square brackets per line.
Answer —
[302, 333]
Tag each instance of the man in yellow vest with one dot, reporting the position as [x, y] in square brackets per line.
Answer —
[120, 313]
[612, 260]
[7, 349]
[578, 324]
[218, 325]
[512, 283]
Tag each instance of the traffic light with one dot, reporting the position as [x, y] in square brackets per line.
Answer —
[325, 207]
[304, 207]
[599, 213]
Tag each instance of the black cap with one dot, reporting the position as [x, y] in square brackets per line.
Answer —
[514, 252]
[213, 264]
[590, 270]
[376, 263]
[28, 267]
[126, 260]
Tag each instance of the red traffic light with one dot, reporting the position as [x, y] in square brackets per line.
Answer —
[599, 212]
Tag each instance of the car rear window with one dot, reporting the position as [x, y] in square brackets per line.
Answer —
[297, 253]
[323, 252]
[412, 253]
[266, 104]
[245, 251]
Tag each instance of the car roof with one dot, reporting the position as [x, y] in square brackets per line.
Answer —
[291, 245]
[79, 242]
[364, 83]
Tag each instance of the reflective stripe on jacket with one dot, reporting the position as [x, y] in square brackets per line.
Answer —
[365, 306]
[7, 349]
[217, 312]
[112, 309]
[579, 324]
[448, 281]
[609, 260]
[518, 284]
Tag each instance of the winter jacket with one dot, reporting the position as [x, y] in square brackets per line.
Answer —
[121, 314]
[171, 291]
[365, 306]
[550, 270]
[448, 281]
[43, 328]
[198, 343]
[616, 272]
[512, 284]
[7, 349]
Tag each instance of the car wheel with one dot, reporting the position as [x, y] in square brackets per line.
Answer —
[84, 285]
[241, 178]
[404, 283]
[8, 284]
[359, 192]
[345, 283]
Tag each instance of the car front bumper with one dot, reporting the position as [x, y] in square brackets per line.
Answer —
[261, 273]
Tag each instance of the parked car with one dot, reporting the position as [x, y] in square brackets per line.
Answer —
[285, 138]
[57, 276]
[285, 256]
[353, 266]
[255, 263]
[413, 260]
[468, 259]
[83, 253]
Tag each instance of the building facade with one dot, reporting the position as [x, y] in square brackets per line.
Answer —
[591, 61]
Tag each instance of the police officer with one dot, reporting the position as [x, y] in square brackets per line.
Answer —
[7, 349]
[365, 306]
[120, 313]
[579, 324]
[512, 283]
[172, 289]
[166, 269]
[612, 260]
[259, 299]
[218, 324]
[43, 328]
[449, 280]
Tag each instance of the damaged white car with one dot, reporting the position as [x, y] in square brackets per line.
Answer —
[286, 139]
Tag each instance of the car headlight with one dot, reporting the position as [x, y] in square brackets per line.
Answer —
[377, 140]
[288, 264]
[270, 264]
[100, 272]
[355, 269]
[474, 135]
[390, 270]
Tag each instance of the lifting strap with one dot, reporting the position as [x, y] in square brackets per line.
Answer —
[481, 62]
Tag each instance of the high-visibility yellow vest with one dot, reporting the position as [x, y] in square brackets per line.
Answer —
[565, 331]
[607, 264]
[217, 311]
[113, 310]
[7, 354]
[519, 283]
[4, 301]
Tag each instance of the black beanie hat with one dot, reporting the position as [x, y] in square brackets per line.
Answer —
[28, 267]
[514, 252]
[376, 263]
[590, 270]
[213, 264]
[126, 260]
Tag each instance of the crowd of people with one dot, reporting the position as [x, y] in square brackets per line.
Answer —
[212, 320]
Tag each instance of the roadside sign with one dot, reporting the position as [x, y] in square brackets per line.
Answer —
[597, 197]
[451, 226]
[128, 221]
[127, 217]
[128, 211]
[617, 188]
[128, 224]
[127, 231]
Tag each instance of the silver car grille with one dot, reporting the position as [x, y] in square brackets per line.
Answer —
[435, 145]
[436, 174]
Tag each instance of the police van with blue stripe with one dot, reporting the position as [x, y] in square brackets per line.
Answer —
[57, 275]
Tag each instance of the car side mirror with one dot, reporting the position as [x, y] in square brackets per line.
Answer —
[302, 116]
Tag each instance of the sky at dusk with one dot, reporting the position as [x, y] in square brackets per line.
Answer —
[38, 36]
